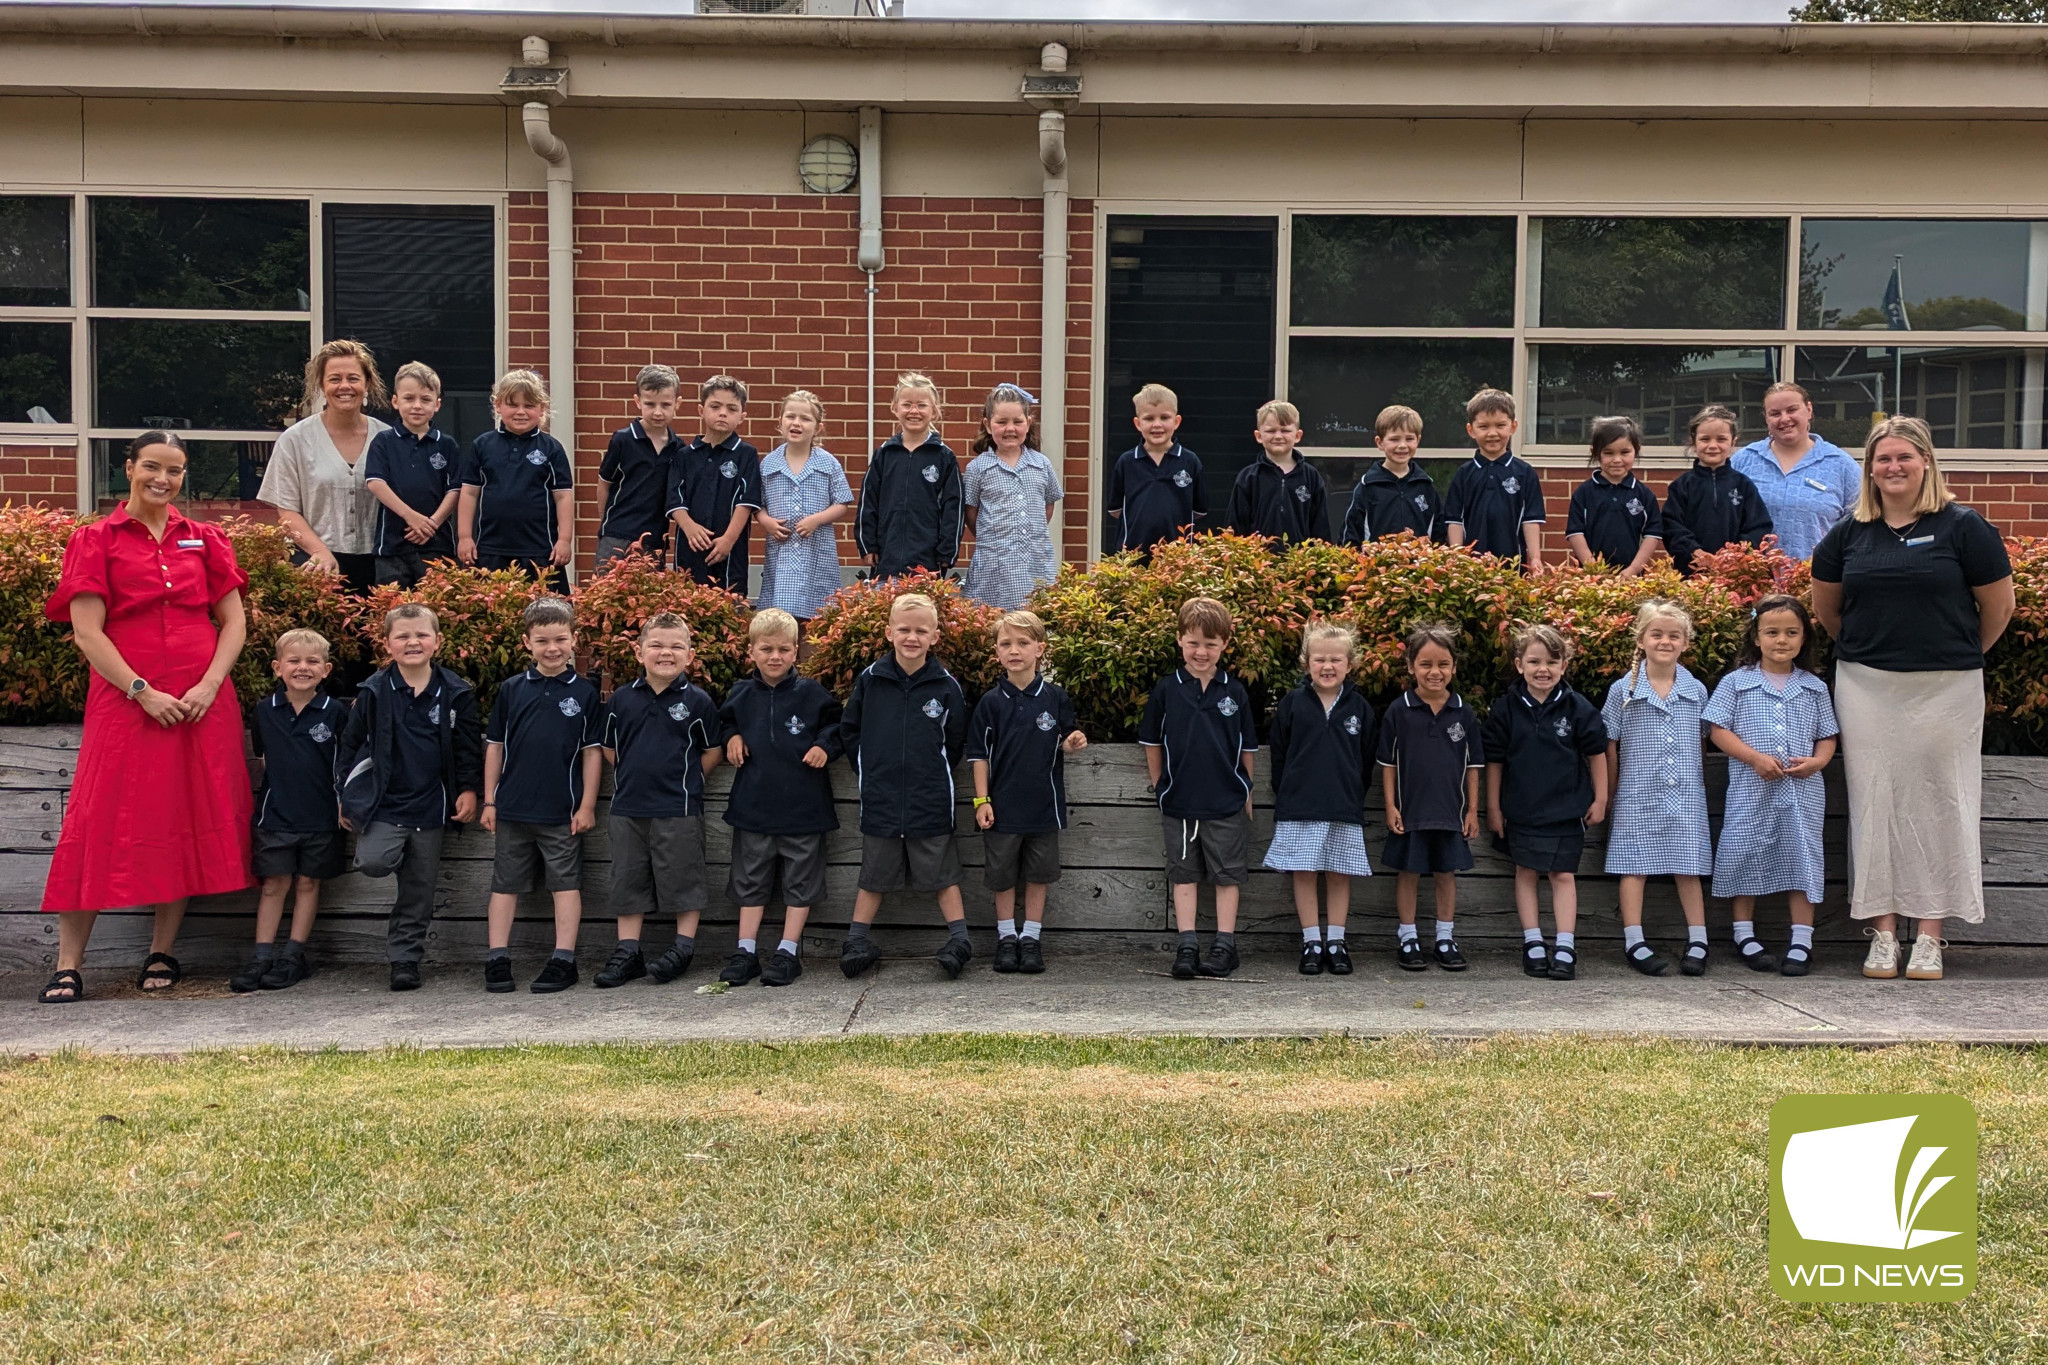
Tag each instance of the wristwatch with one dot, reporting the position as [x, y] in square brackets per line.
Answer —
[136, 689]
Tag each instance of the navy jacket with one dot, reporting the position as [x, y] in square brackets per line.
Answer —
[1383, 505]
[904, 734]
[1615, 518]
[1291, 506]
[369, 742]
[910, 513]
[1707, 509]
[773, 792]
[1321, 761]
[1542, 750]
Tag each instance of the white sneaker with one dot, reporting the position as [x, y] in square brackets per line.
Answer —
[1925, 964]
[1882, 961]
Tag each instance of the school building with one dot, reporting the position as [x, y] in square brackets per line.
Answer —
[1602, 219]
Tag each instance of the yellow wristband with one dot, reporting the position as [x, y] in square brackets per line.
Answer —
[980, 801]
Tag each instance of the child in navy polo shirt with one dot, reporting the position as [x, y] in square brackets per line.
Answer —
[1613, 517]
[661, 735]
[903, 729]
[781, 732]
[1430, 755]
[1017, 744]
[1155, 489]
[518, 496]
[715, 489]
[1546, 780]
[1200, 745]
[1394, 495]
[414, 471]
[1713, 504]
[1495, 503]
[1280, 494]
[542, 761]
[633, 479]
[296, 731]
[911, 511]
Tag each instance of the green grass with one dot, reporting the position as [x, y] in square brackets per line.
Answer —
[965, 1200]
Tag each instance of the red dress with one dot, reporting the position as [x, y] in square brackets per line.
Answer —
[156, 814]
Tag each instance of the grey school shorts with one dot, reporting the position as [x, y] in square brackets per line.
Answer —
[536, 858]
[920, 862]
[1030, 858]
[759, 861]
[275, 853]
[1213, 851]
[658, 865]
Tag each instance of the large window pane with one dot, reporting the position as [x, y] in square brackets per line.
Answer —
[35, 371]
[201, 253]
[1341, 383]
[35, 251]
[1660, 272]
[215, 471]
[235, 376]
[1953, 276]
[1973, 399]
[1660, 386]
[1403, 271]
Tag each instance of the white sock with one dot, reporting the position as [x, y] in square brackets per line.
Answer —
[1006, 928]
[1312, 933]
[1334, 934]
[1566, 941]
[1696, 933]
[1443, 931]
[1631, 935]
[1802, 936]
[1033, 928]
[787, 945]
[1532, 936]
[748, 945]
[1744, 929]
[1405, 932]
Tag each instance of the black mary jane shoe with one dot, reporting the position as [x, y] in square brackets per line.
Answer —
[1337, 958]
[1694, 963]
[1535, 959]
[1758, 961]
[1411, 957]
[1797, 961]
[1564, 965]
[1312, 959]
[1647, 960]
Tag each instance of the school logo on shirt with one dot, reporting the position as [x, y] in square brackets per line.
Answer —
[1301, 493]
[1351, 726]
[320, 734]
[1228, 706]
[1456, 734]
[1421, 502]
[728, 470]
[934, 708]
[1511, 484]
[930, 472]
[569, 706]
[1563, 727]
[679, 712]
[536, 456]
[1635, 507]
[1045, 720]
[1735, 497]
[437, 461]
[434, 714]
[1182, 479]
[796, 726]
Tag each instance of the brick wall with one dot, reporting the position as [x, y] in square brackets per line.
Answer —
[39, 474]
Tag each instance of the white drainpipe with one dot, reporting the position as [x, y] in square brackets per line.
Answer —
[540, 136]
[870, 257]
[1052, 335]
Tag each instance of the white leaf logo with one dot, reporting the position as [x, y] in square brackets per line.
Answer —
[1839, 1185]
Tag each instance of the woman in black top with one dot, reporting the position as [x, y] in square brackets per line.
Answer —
[1914, 587]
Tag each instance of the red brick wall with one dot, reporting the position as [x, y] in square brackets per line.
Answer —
[39, 474]
[766, 287]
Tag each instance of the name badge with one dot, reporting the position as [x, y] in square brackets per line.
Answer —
[1816, 483]
[1921, 540]
[191, 544]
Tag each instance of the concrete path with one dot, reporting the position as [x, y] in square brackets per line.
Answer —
[1992, 995]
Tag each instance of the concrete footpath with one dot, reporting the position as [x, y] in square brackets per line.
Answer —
[1992, 995]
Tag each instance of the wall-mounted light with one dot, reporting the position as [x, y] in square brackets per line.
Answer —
[828, 165]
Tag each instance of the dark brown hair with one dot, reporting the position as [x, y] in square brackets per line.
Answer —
[1752, 651]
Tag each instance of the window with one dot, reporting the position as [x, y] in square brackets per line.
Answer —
[35, 252]
[1660, 386]
[1341, 383]
[1673, 273]
[1947, 276]
[201, 253]
[35, 372]
[1403, 271]
[1981, 399]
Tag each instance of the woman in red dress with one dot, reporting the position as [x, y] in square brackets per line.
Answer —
[160, 804]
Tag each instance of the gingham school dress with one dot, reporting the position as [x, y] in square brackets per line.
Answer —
[798, 574]
[1013, 549]
[1659, 826]
[1319, 846]
[1771, 831]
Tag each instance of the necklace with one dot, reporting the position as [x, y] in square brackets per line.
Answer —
[1907, 530]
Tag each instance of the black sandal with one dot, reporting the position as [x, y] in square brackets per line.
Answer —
[160, 967]
[64, 979]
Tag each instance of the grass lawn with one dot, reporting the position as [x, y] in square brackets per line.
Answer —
[966, 1200]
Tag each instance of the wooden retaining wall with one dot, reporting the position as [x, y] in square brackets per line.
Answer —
[1113, 890]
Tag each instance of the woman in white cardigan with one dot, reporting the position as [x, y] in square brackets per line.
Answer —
[315, 475]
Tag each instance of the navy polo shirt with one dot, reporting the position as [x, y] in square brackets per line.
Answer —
[298, 752]
[413, 794]
[773, 792]
[709, 481]
[638, 473]
[1018, 733]
[1493, 500]
[657, 740]
[1156, 500]
[1429, 752]
[516, 478]
[1615, 518]
[422, 470]
[544, 724]
[1205, 733]
[1542, 748]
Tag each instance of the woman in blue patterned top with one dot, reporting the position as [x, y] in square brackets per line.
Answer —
[1010, 490]
[806, 492]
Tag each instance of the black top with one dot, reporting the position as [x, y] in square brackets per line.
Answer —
[1430, 752]
[415, 792]
[1707, 508]
[1018, 733]
[1155, 500]
[1542, 749]
[1493, 500]
[544, 724]
[910, 514]
[1383, 505]
[773, 792]
[1321, 759]
[658, 740]
[422, 471]
[1205, 733]
[1906, 600]
[406, 756]
[1292, 505]
[1615, 518]
[637, 507]
[710, 481]
[298, 750]
[904, 733]
[516, 478]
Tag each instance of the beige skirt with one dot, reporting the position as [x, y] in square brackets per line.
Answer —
[1912, 750]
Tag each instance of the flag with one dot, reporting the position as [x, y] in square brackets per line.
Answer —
[1895, 301]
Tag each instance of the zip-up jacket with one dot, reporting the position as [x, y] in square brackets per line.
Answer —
[903, 735]
[1542, 749]
[1707, 508]
[1290, 505]
[773, 792]
[910, 507]
[1320, 762]
[370, 741]
[1383, 505]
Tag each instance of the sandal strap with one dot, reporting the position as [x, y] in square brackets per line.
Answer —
[64, 978]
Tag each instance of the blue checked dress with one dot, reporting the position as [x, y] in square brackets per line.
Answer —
[1659, 826]
[798, 574]
[1319, 846]
[1013, 549]
[1771, 831]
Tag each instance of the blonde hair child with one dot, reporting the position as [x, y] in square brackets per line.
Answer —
[529, 516]
[910, 514]
[805, 494]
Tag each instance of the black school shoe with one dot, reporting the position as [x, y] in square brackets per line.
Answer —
[856, 955]
[1030, 956]
[1008, 954]
[1448, 957]
[1535, 960]
[671, 964]
[1185, 962]
[1337, 958]
[1311, 959]
[625, 965]
[1646, 960]
[498, 975]
[781, 968]
[741, 968]
[1564, 965]
[288, 968]
[1797, 961]
[405, 976]
[556, 975]
[954, 956]
[1220, 960]
[1694, 963]
[1411, 957]
[250, 977]
[1758, 961]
